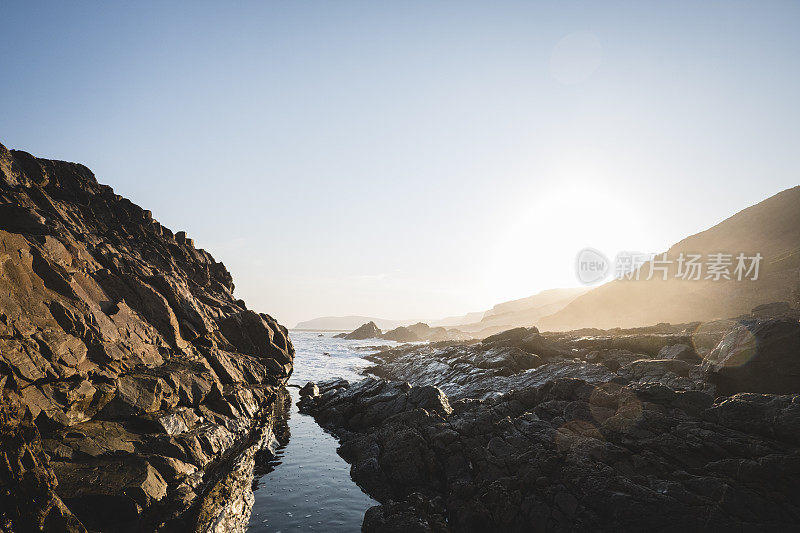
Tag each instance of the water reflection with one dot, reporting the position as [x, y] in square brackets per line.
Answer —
[305, 485]
[268, 458]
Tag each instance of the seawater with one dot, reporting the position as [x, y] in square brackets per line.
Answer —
[307, 486]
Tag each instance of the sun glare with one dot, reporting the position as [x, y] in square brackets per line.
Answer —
[537, 249]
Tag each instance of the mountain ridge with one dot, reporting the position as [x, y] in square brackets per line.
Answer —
[770, 227]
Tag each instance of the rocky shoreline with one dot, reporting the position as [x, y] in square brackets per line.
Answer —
[136, 389]
[688, 427]
[139, 394]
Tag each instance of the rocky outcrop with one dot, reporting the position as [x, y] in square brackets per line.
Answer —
[423, 332]
[134, 383]
[414, 333]
[401, 334]
[524, 357]
[367, 331]
[776, 310]
[591, 430]
[757, 356]
[569, 455]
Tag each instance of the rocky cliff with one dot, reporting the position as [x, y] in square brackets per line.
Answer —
[135, 387]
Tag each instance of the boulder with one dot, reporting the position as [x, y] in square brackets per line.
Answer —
[772, 310]
[680, 352]
[757, 356]
[310, 389]
[510, 337]
[367, 331]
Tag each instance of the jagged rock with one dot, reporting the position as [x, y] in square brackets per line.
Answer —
[612, 359]
[173, 422]
[568, 455]
[137, 394]
[643, 343]
[310, 390]
[757, 356]
[191, 380]
[386, 399]
[28, 501]
[94, 438]
[768, 415]
[413, 333]
[171, 469]
[259, 335]
[481, 370]
[127, 352]
[639, 441]
[367, 331]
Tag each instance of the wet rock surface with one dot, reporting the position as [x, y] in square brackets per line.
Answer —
[136, 388]
[590, 430]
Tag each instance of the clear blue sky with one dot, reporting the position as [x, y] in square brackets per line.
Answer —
[411, 159]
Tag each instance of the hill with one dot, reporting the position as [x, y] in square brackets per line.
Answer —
[770, 228]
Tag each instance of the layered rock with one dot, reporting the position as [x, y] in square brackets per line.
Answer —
[591, 430]
[133, 375]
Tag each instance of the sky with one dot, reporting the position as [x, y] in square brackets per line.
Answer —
[411, 159]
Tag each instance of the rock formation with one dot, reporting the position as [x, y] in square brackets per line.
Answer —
[757, 356]
[618, 430]
[423, 332]
[401, 334]
[136, 388]
[414, 333]
[366, 331]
